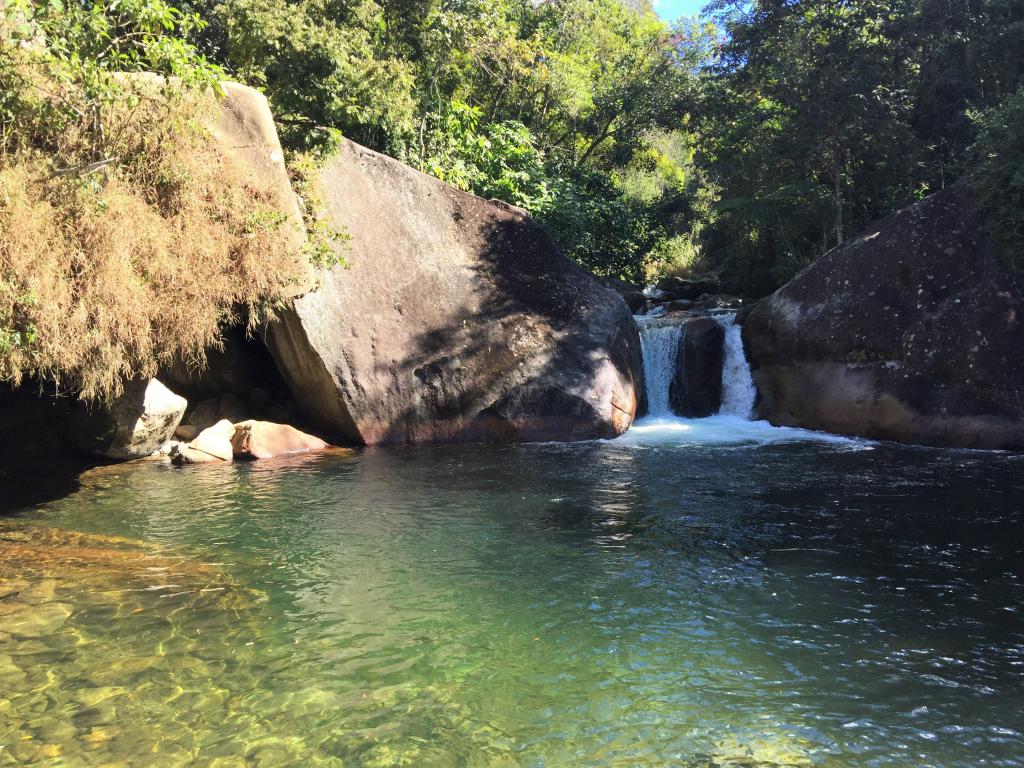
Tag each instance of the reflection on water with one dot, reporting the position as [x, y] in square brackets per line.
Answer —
[759, 600]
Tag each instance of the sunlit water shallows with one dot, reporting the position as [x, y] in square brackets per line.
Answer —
[624, 603]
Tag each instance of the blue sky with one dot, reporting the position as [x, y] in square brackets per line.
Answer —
[673, 9]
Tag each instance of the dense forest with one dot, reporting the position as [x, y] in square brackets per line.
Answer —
[743, 144]
[748, 142]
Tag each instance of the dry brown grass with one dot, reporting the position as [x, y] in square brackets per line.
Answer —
[108, 275]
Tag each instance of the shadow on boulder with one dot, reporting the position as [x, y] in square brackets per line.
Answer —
[458, 319]
[38, 462]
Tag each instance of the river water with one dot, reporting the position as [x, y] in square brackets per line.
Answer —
[697, 593]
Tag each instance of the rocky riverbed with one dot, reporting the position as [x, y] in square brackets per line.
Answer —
[95, 640]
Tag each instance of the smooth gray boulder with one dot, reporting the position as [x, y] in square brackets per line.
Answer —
[131, 427]
[457, 319]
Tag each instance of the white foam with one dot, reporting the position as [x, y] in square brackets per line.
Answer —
[738, 390]
[659, 343]
[724, 430]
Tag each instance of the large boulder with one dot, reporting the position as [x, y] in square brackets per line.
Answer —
[133, 425]
[211, 445]
[632, 294]
[913, 332]
[456, 319]
[696, 389]
[216, 440]
[266, 440]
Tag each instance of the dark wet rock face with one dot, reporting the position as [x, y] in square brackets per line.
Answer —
[696, 389]
[38, 462]
[457, 319]
[240, 364]
[678, 305]
[719, 301]
[688, 290]
[912, 333]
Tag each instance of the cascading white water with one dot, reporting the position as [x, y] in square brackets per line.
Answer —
[738, 390]
[733, 425]
[659, 342]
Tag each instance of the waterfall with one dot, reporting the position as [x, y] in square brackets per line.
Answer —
[738, 390]
[660, 339]
[659, 342]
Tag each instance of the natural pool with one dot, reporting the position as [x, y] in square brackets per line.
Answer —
[695, 594]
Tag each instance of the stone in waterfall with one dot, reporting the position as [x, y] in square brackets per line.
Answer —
[456, 319]
[913, 332]
[684, 359]
[696, 389]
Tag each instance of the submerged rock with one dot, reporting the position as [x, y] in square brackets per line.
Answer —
[111, 668]
[913, 332]
[768, 750]
[134, 425]
[91, 697]
[12, 587]
[265, 440]
[457, 319]
[37, 620]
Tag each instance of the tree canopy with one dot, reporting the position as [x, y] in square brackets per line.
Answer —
[745, 144]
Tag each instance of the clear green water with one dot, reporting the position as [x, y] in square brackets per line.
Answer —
[655, 601]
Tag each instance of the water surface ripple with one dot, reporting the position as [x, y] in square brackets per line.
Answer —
[663, 600]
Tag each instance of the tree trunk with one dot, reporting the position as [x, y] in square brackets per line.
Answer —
[837, 181]
[600, 139]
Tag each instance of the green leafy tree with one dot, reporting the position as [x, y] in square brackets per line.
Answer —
[820, 116]
[63, 67]
[998, 175]
[320, 63]
[498, 160]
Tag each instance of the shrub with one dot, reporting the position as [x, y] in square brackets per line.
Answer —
[105, 277]
[495, 160]
[127, 235]
[323, 240]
